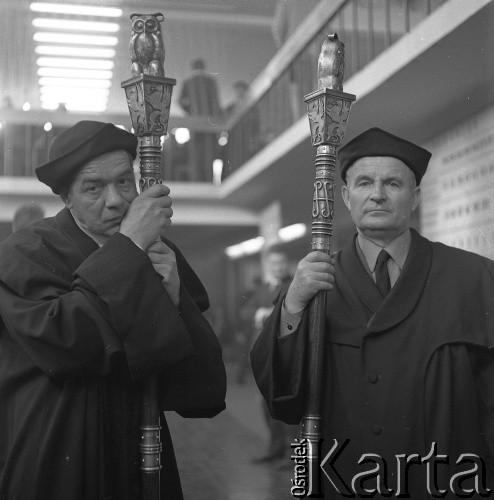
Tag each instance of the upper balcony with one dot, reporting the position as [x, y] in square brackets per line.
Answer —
[273, 104]
[415, 66]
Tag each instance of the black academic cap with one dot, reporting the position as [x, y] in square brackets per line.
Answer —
[377, 142]
[77, 145]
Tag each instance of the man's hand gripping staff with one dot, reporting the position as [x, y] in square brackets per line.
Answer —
[315, 273]
[148, 217]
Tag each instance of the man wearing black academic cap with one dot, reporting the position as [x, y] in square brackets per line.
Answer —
[94, 301]
[408, 399]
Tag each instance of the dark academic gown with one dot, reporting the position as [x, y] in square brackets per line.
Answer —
[82, 327]
[400, 374]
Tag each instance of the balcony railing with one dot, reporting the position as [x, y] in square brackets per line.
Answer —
[275, 99]
[25, 140]
[367, 27]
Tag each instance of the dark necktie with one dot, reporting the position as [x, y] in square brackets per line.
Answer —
[382, 275]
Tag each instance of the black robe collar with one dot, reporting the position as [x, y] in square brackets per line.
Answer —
[69, 228]
[86, 245]
[404, 295]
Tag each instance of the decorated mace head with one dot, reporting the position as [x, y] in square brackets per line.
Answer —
[147, 51]
[328, 107]
[148, 92]
[331, 64]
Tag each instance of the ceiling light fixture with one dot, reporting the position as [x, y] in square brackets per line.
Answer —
[60, 62]
[75, 97]
[78, 10]
[49, 37]
[86, 107]
[292, 232]
[217, 171]
[182, 135]
[78, 81]
[247, 247]
[74, 82]
[75, 73]
[60, 50]
[59, 91]
[68, 24]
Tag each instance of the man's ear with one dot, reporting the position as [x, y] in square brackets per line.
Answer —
[415, 197]
[345, 195]
[67, 200]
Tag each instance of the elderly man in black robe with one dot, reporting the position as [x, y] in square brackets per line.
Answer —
[93, 301]
[408, 399]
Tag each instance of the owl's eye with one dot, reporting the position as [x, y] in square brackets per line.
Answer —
[139, 25]
[150, 24]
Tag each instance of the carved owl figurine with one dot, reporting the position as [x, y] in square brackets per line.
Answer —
[147, 51]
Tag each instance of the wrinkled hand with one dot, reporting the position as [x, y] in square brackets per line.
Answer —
[148, 216]
[165, 263]
[261, 315]
[315, 272]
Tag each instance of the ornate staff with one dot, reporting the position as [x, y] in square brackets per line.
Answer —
[328, 109]
[149, 95]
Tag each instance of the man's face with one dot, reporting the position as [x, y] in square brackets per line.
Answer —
[381, 195]
[101, 193]
[277, 265]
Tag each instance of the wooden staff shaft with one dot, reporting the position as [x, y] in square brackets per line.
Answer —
[322, 228]
[149, 95]
[328, 109]
[150, 445]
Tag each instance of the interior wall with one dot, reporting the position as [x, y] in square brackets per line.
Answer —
[458, 189]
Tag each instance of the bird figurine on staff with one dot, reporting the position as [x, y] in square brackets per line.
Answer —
[149, 95]
[328, 109]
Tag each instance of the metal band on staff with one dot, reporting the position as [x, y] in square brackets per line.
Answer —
[149, 95]
[328, 109]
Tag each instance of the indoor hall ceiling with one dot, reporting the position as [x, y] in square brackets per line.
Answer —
[234, 37]
[449, 82]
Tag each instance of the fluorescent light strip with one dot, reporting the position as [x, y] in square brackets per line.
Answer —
[59, 62]
[62, 91]
[75, 73]
[247, 247]
[68, 24]
[293, 232]
[74, 98]
[75, 105]
[75, 39]
[75, 82]
[81, 107]
[60, 50]
[79, 10]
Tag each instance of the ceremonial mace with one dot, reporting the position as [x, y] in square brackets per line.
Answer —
[149, 96]
[328, 109]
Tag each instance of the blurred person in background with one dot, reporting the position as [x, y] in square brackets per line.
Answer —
[27, 215]
[256, 310]
[199, 94]
[240, 89]
[199, 98]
